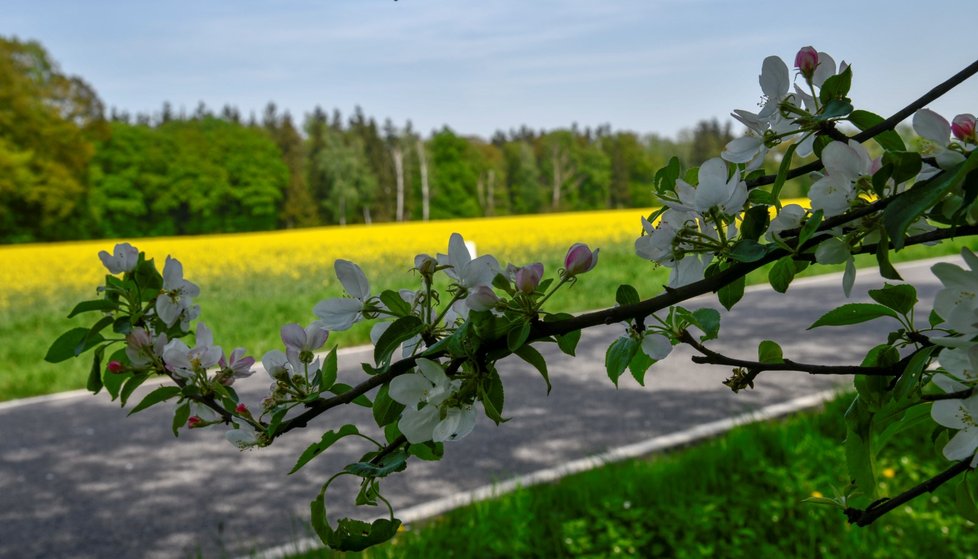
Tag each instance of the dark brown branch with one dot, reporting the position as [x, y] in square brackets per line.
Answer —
[866, 517]
[711, 357]
[959, 395]
[888, 124]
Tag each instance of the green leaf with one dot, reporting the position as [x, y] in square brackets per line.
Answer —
[130, 386]
[341, 388]
[708, 321]
[568, 342]
[532, 356]
[782, 175]
[888, 140]
[883, 257]
[910, 381]
[385, 409]
[399, 331]
[357, 535]
[64, 347]
[904, 165]
[103, 305]
[755, 223]
[834, 109]
[94, 383]
[769, 351]
[619, 355]
[746, 250]
[781, 274]
[394, 303]
[327, 376]
[639, 365]
[836, 87]
[901, 297]
[327, 440]
[731, 293]
[113, 381]
[393, 462]
[907, 207]
[810, 227]
[493, 398]
[428, 451]
[853, 313]
[964, 499]
[859, 457]
[761, 197]
[161, 394]
[665, 178]
[517, 335]
[180, 416]
[626, 295]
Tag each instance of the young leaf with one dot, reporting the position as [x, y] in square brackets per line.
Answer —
[626, 295]
[493, 398]
[103, 305]
[64, 347]
[568, 342]
[810, 227]
[180, 417]
[639, 365]
[755, 223]
[747, 250]
[326, 441]
[908, 206]
[393, 462]
[517, 335]
[327, 375]
[707, 320]
[781, 274]
[532, 356]
[95, 374]
[161, 394]
[859, 456]
[731, 293]
[769, 352]
[900, 298]
[619, 355]
[385, 409]
[400, 330]
[392, 300]
[883, 257]
[888, 140]
[130, 386]
[853, 313]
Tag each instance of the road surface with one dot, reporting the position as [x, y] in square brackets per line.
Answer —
[80, 479]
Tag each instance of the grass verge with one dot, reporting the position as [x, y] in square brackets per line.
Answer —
[737, 496]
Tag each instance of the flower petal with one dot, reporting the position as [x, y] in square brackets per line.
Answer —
[353, 279]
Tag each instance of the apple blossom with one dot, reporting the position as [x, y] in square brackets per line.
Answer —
[936, 129]
[961, 415]
[957, 302]
[481, 298]
[235, 366]
[176, 299]
[303, 340]
[528, 277]
[184, 361]
[963, 128]
[806, 61]
[278, 364]
[423, 394]
[790, 217]
[342, 313]
[579, 260]
[716, 190]
[124, 258]
[468, 272]
[844, 164]
[243, 437]
[142, 349]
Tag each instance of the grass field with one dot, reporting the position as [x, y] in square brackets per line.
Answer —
[253, 283]
[738, 496]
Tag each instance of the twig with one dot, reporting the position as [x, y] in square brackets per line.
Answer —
[861, 517]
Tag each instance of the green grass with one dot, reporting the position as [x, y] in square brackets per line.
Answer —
[738, 496]
[248, 311]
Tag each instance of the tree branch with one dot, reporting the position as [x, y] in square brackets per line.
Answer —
[861, 517]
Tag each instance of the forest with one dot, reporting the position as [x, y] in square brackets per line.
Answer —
[71, 169]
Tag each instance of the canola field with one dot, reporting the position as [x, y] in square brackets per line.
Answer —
[45, 269]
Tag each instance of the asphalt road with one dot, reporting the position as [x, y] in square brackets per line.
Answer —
[80, 479]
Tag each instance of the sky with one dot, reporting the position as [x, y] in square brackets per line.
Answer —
[477, 66]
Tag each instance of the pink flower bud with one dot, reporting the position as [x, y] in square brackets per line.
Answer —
[481, 298]
[579, 259]
[806, 61]
[528, 277]
[116, 367]
[963, 127]
[193, 422]
[241, 409]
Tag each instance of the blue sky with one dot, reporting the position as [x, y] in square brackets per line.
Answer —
[481, 65]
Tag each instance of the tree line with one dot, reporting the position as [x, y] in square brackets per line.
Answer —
[69, 169]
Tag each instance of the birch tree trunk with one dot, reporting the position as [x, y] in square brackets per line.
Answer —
[424, 181]
[399, 171]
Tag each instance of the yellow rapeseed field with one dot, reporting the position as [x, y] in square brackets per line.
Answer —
[39, 269]
[43, 269]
